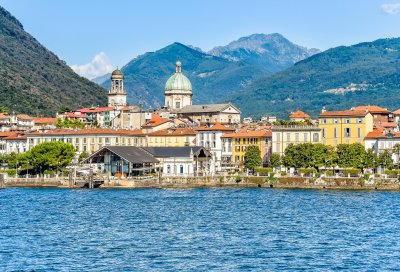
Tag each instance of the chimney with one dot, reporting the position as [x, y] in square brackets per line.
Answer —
[323, 109]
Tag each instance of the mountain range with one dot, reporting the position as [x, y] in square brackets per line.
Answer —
[34, 80]
[215, 75]
[338, 78]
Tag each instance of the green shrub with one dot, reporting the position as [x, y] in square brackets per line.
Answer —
[283, 173]
[263, 171]
[392, 173]
[49, 172]
[366, 176]
[238, 178]
[329, 173]
[318, 175]
[11, 172]
[351, 171]
[307, 170]
[377, 175]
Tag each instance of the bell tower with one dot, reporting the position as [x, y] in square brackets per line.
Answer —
[117, 94]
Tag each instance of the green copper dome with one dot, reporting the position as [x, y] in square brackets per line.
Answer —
[117, 73]
[178, 81]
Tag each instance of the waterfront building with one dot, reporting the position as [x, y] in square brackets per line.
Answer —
[282, 136]
[380, 140]
[300, 116]
[13, 142]
[345, 127]
[100, 116]
[245, 137]
[381, 117]
[89, 140]
[173, 136]
[132, 117]
[183, 161]
[210, 136]
[170, 161]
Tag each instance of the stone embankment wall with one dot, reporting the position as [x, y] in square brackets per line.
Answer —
[222, 181]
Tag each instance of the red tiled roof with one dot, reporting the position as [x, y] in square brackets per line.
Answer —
[215, 127]
[3, 116]
[344, 113]
[88, 131]
[250, 133]
[380, 134]
[388, 124]
[155, 120]
[24, 117]
[91, 110]
[174, 132]
[397, 112]
[74, 115]
[300, 114]
[13, 135]
[372, 109]
[44, 120]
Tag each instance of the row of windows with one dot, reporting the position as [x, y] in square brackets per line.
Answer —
[77, 141]
[345, 121]
[288, 137]
[167, 139]
[250, 141]
[347, 133]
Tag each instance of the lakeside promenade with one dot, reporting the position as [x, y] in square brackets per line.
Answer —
[286, 182]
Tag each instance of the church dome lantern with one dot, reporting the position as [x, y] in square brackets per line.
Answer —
[178, 90]
[178, 81]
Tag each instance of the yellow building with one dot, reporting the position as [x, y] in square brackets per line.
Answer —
[242, 139]
[172, 137]
[89, 140]
[345, 127]
[282, 136]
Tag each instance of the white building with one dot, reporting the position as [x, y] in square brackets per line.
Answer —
[210, 137]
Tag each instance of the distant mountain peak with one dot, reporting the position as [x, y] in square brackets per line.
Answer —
[269, 51]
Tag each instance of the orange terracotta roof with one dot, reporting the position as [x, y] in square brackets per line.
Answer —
[91, 110]
[397, 112]
[24, 117]
[44, 120]
[250, 133]
[372, 109]
[89, 131]
[74, 115]
[388, 124]
[215, 127]
[3, 116]
[155, 120]
[344, 113]
[174, 132]
[13, 135]
[300, 114]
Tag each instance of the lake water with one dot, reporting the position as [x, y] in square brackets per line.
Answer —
[199, 230]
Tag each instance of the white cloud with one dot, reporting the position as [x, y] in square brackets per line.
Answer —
[391, 9]
[99, 66]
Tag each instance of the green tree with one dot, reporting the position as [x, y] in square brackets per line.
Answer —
[252, 157]
[396, 150]
[385, 159]
[371, 159]
[3, 109]
[352, 155]
[274, 160]
[51, 155]
[84, 155]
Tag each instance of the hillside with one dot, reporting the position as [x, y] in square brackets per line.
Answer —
[269, 51]
[212, 78]
[339, 78]
[33, 80]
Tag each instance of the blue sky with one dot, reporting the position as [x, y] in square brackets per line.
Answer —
[115, 31]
